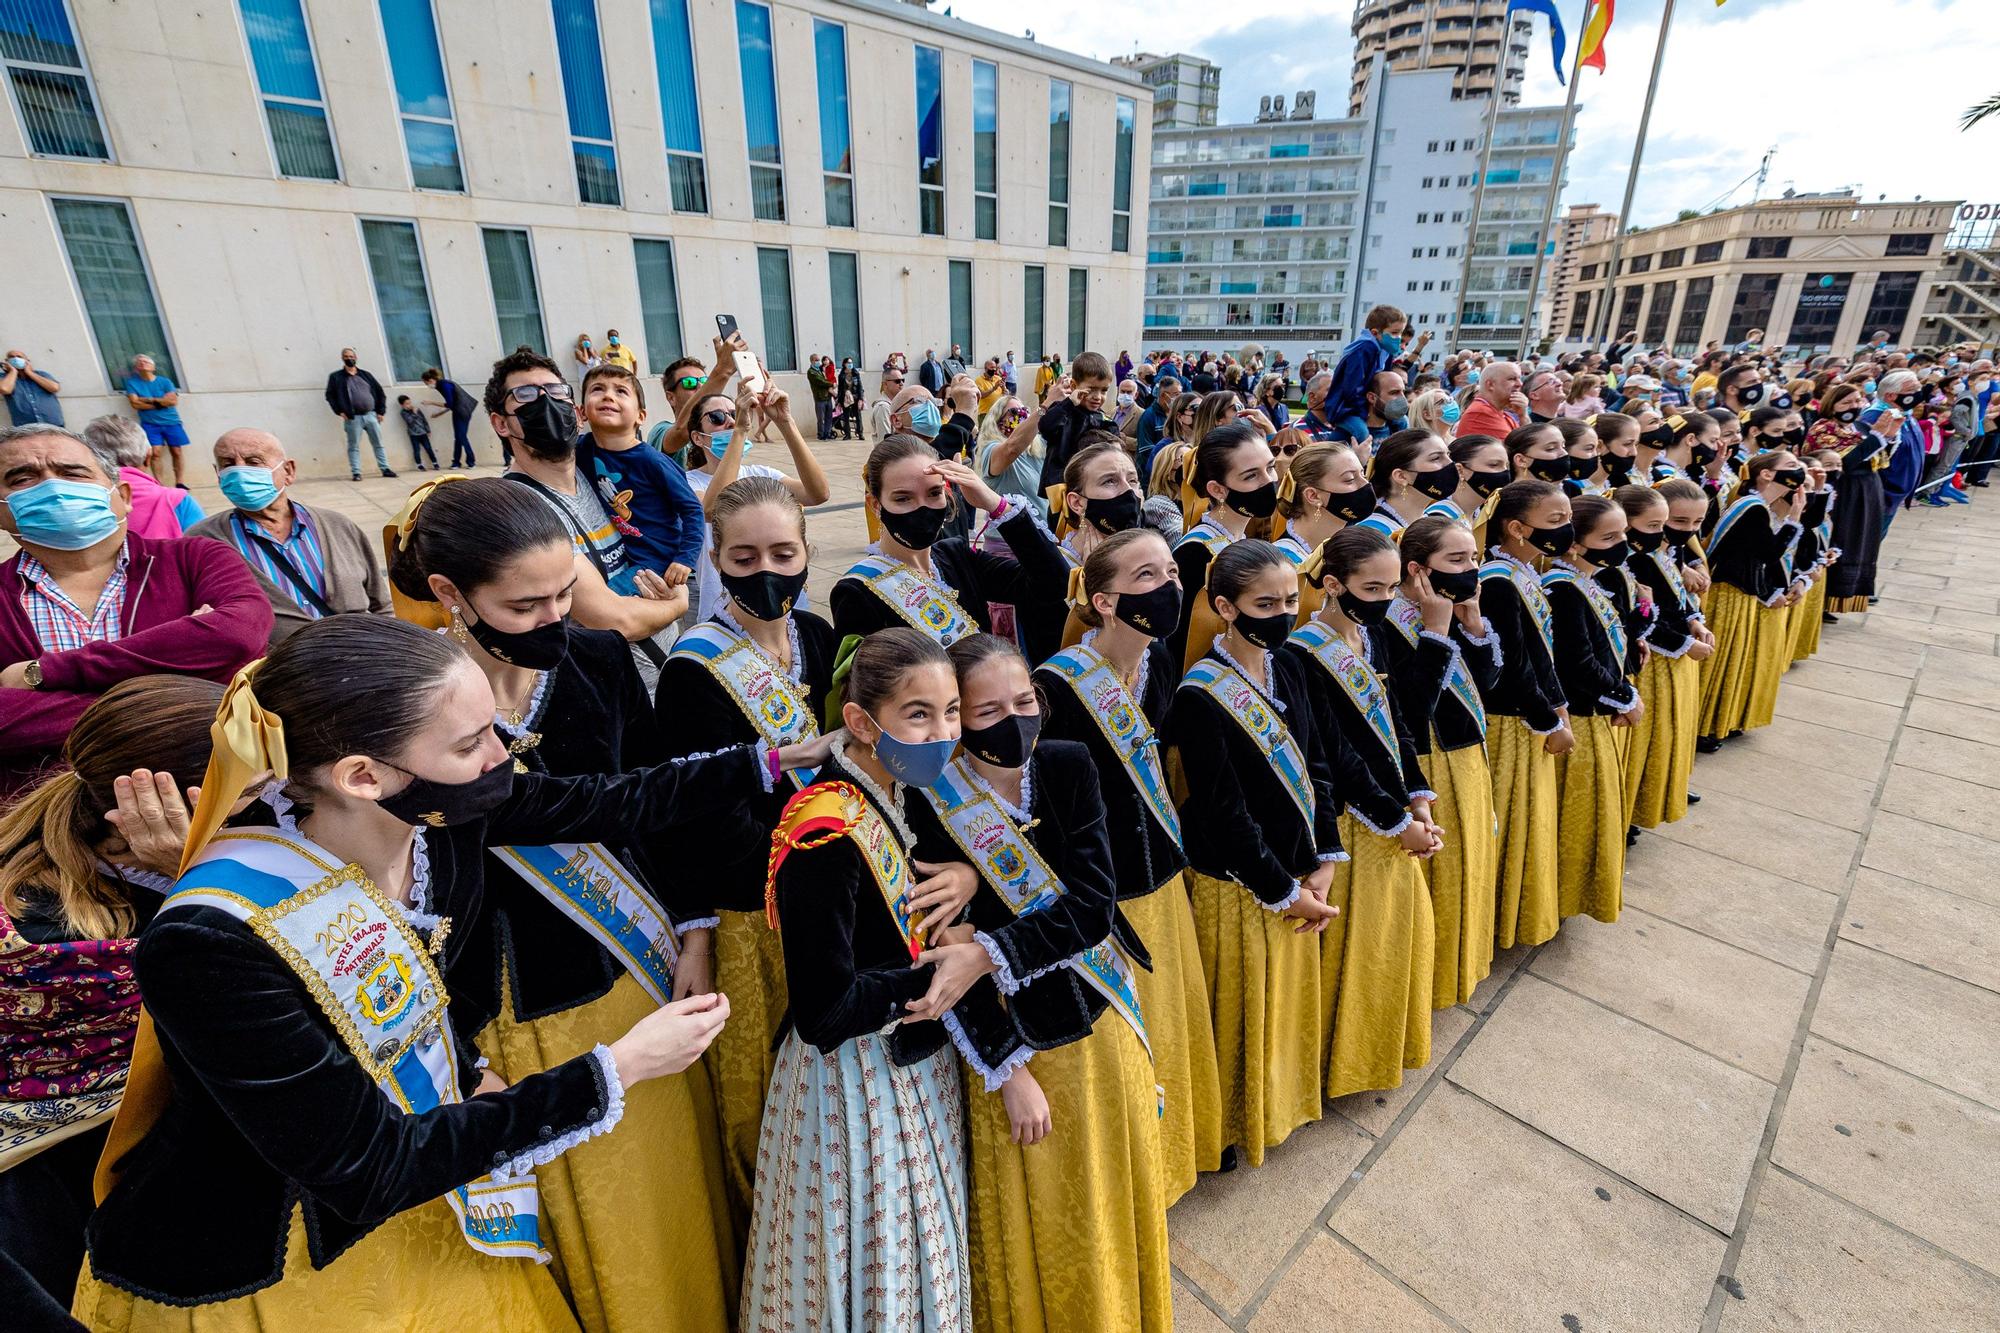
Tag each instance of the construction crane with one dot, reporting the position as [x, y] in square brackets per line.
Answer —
[1763, 173]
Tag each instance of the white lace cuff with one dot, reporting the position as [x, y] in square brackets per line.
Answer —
[1486, 637]
[1682, 651]
[543, 1153]
[1377, 829]
[1005, 977]
[1620, 705]
[767, 759]
[992, 1076]
[1436, 638]
[1421, 795]
[1324, 857]
[1283, 903]
[698, 923]
[1539, 732]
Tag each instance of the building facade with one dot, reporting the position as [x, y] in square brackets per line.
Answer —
[1815, 272]
[1965, 296]
[243, 189]
[1285, 232]
[1186, 89]
[1477, 39]
[1580, 225]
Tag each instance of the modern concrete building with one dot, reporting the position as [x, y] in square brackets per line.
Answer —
[1186, 89]
[1284, 232]
[1580, 225]
[1816, 272]
[242, 188]
[1477, 39]
[1965, 293]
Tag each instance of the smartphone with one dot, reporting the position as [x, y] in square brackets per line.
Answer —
[725, 327]
[749, 373]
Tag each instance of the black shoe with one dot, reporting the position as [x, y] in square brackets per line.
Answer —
[355, 477]
[1694, 798]
[1228, 1159]
[1631, 834]
[1873, 600]
[1828, 618]
[1979, 483]
[1734, 734]
[387, 473]
[1706, 745]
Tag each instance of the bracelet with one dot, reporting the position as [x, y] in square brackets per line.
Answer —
[999, 509]
[771, 762]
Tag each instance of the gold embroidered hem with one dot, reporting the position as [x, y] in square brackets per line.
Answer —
[1525, 798]
[1375, 965]
[1461, 876]
[1173, 998]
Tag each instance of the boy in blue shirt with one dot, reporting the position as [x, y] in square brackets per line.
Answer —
[656, 511]
[419, 427]
[157, 401]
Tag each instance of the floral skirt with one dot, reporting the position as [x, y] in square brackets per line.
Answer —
[1173, 999]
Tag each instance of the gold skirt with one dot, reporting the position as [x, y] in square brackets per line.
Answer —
[1375, 965]
[414, 1272]
[1525, 798]
[1774, 659]
[1661, 754]
[1744, 649]
[1263, 991]
[1839, 605]
[638, 1219]
[1590, 842]
[750, 970]
[1071, 1233]
[1461, 876]
[1173, 999]
[1806, 623]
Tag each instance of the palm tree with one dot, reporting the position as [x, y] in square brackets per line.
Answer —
[1980, 111]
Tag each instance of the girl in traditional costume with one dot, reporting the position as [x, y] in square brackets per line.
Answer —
[1411, 470]
[1482, 470]
[1660, 521]
[1236, 477]
[1748, 556]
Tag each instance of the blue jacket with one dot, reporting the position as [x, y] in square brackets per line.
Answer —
[666, 526]
[1359, 362]
[1906, 465]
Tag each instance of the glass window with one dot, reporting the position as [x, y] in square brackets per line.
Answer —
[930, 141]
[774, 277]
[410, 28]
[282, 55]
[510, 267]
[51, 87]
[1708, 254]
[1673, 258]
[961, 305]
[396, 262]
[1628, 312]
[1755, 293]
[836, 150]
[843, 273]
[1659, 312]
[582, 58]
[760, 110]
[659, 301]
[1033, 292]
[680, 107]
[111, 278]
[1817, 314]
[1121, 175]
[1889, 307]
[1059, 98]
[1079, 312]
[1770, 247]
[1694, 312]
[1909, 243]
[1579, 319]
[985, 151]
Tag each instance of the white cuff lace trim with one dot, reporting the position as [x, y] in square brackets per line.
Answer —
[1324, 857]
[1282, 904]
[1538, 732]
[544, 1153]
[766, 758]
[1686, 644]
[1486, 637]
[992, 1076]
[1436, 638]
[1421, 795]
[1377, 829]
[1005, 977]
[1618, 705]
[698, 923]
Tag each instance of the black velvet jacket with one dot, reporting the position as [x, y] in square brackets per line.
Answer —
[1037, 572]
[1751, 555]
[1622, 586]
[1591, 671]
[1527, 686]
[719, 863]
[1372, 783]
[268, 1107]
[1143, 854]
[1669, 633]
[1417, 674]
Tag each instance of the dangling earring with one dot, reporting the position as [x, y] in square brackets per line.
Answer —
[458, 630]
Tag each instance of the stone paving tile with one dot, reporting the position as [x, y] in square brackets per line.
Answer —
[1950, 756]
[1910, 1153]
[1942, 931]
[1869, 652]
[1331, 1289]
[1835, 711]
[1777, 918]
[1972, 724]
[1190, 1315]
[1939, 1028]
[1748, 768]
[1964, 678]
[1768, 838]
[1736, 1006]
[1981, 620]
[1939, 800]
[1376, 1111]
[1668, 1118]
[1849, 682]
[1916, 849]
[1503, 1229]
[1505, 963]
[1808, 744]
[1915, 613]
[1948, 636]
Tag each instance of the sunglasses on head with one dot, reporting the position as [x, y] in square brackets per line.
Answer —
[690, 382]
[528, 393]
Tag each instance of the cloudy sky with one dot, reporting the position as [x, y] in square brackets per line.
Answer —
[1864, 93]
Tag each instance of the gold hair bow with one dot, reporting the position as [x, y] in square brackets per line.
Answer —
[248, 740]
[406, 517]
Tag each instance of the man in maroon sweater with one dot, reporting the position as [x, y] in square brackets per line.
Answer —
[84, 604]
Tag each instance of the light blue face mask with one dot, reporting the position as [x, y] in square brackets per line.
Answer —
[63, 515]
[249, 488]
[718, 445]
[924, 419]
[1450, 413]
[918, 763]
[1868, 387]
[18, 362]
[1392, 344]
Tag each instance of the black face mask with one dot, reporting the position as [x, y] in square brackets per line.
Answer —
[1266, 631]
[1848, 416]
[1583, 469]
[1680, 538]
[1351, 506]
[1645, 543]
[1906, 401]
[1791, 478]
[1549, 469]
[1702, 454]
[443, 804]
[765, 595]
[1794, 437]
[1606, 556]
[1750, 395]
[548, 427]
[1259, 502]
[1553, 541]
[1782, 401]
[540, 649]
[1618, 468]
[1659, 437]
[1364, 613]
[1438, 483]
[917, 528]
[1114, 514]
[1155, 613]
[347, 361]
[1007, 743]
[1485, 483]
[1460, 585]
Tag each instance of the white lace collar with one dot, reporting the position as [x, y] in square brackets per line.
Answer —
[1137, 689]
[1263, 682]
[137, 876]
[797, 670]
[419, 910]
[532, 714]
[1499, 553]
[1022, 814]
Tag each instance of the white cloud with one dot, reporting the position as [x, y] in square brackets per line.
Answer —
[1864, 93]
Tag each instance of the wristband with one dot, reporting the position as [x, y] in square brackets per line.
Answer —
[771, 761]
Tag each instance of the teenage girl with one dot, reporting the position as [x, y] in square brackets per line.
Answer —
[1617, 450]
[1536, 452]
[1099, 498]
[1482, 471]
[1234, 473]
[1660, 756]
[1324, 491]
[1580, 444]
[1816, 554]
[1411, 469]
[1752, 584]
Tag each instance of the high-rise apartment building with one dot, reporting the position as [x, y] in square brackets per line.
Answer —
[1186, 89]
[1476, 38]
[1580, 225]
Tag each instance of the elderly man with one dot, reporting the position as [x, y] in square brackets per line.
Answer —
[157, 400]
[309, 563]
[1543, 388]
[88, 604]
[157, 511]
[1497, 405]
[356, 398]
[914, 411]
[1902, 390]
[30, 393]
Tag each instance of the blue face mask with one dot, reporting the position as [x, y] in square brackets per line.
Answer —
[63, 515]
[924, 419]
[1449, 413]
[248, 488]
[718, 444]
[918, 763]
[1391, 344]
[1868, 387]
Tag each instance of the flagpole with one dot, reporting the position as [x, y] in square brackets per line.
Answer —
[1478, 197]
[1556, 185]
[1603, 319]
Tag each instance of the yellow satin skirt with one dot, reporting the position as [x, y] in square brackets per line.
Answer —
[1774, 659]
[1590, 832]
[638, 1219]
[414, 1272]
[1746, 648]
[1461, 876]
[1661, 754]
[1263, 993]
[1806, 623]
[1375, 964]
[1071, 1232]
[1525, 797]
[1173, 999]
[750, 970]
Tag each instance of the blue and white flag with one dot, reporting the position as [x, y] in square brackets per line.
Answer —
[1557, 40]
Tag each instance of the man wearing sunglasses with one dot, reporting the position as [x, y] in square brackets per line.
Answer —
[686, 384]
[881, 412]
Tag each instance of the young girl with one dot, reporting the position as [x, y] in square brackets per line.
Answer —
[1592, 640]
[1235, 472]
[1111, 692]
[1068, 1213]
[1660, 755]
[1680, 446]
[1324, 491]
[719, 445]
[1412, 469]
[1376, 958]
[1242, 726]
[1857, 519]
[1580, 443]
[1528, 713]
[1746, 558]
[1537, 452]
[1617, 450]
[1482, 470]
[1816, 553]
[1165, 473]
[1437, 680]
[1099, 497]
[758, 670]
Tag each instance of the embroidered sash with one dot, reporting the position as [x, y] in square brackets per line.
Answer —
[1206, 534]
[1239, 698]
[1446, 508]
[1292, 549]
[829, 810]
[1532, 598]
[586, 883]
[1357, 679]
[377, 983]
[1664, 561]
[1384, 522]
[775, 704]
[1600, 602]
[1124, 725]
[1011, 866]
[922, 604]
[1409, 622]
[1729, 518]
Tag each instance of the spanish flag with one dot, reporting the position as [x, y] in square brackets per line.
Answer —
[1593, 35]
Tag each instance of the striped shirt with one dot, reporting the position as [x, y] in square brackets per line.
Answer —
[302, 547]
[59, 623]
